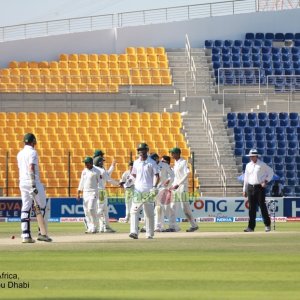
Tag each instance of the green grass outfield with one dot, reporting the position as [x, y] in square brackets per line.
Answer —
[204, 265]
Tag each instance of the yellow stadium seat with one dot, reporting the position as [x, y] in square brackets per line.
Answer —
[64, 72]
[4, 72]
[113, 65]
[73, 57]
[103, 57]
[143, 65]
[23, 64]
[93, 65]
[63, 65]
[176, 116]
[162, 65]
[142, 58]
[5, 79]
[122, 58]
[130, 50]
[93, 57]
[13, 64]
[14, 79]
[150, 51]
[156, 80]
[53, 64]
[133, 65]
[83, 57]
[123, 64]
[3, 87]
[63, 57]
[43, 64]
[160, 51]
[103, 87]
[33, 64]
[12, 87]
[166, 81]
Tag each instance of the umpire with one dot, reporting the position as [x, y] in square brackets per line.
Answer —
[257, 176]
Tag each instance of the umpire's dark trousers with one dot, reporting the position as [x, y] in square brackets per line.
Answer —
[256, 196]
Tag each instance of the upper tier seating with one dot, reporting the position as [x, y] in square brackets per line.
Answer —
[252, 61]
[82, 73]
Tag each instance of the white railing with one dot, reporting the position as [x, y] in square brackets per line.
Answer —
[236, 77]
[214, 147]
[141, 17]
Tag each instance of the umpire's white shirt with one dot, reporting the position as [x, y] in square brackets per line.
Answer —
[89, 180]
[257, 173]
[181, 171]
[26, 157]
[144, 171]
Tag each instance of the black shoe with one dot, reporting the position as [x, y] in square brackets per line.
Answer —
[133, 236]
[169, 230]
[248, 230]
[143, 229]
[268, 228]
[192, 229]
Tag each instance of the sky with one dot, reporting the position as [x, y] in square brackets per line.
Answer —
[16, 12]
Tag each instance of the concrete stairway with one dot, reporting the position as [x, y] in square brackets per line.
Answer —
[191, 106]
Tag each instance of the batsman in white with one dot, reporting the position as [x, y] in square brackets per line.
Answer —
[127, 182]
[166, 178]
[30, 186]
[144, 170]
[102, 205]
[88, 187]
[180, 187]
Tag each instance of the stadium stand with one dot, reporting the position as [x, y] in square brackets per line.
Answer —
[64, 139]
[81, 73]
[277, 140]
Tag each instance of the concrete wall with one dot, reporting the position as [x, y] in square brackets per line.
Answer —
[169, 35]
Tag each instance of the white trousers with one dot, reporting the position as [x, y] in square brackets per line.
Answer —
[27, 202]
[128, 202]
[137, 205]
[180, 199]
[90, 210]
[102, 210]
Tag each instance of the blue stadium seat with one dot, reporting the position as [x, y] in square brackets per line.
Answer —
[270, 130]
[231, 123]
[236, 50]
[245, 159]
[259, 137]
[289, 36]
[266, 58]
[258, 43]
[273, 122]
[249, 36]
[266, 50]
[295, 57]
[281, 151]
[237, 43]
[297, 43]
[280, 130]
[281, 144]
[241, 123]
[279, 37]
[245, 50]
[297, 190]
[271, 145]
[231, 116]
[280, 136]
[238, 152]
[291, 137]
[278, 160]
[290, 174]
[259, 130]
[278, 167]
[228, 43]
[216, 50]
[294, 116]
[235, 58]
[276, 58]
[285, 57]
[292, 151]
[259, 36]
[236, 64]
[271, 152]
[248, 43]
[216, 65]
[269, 36]
[242, 116]
[256, 50]
[277, 65]
[226, 58]
[297, 166]
[292, 145]
[208, 44]
[262, 123]
[238, 137]
[228, 64]
[295, 50]
[297, 159]
[226, 50]
[288, 190]
[290, 167]
[283, 116]
[249, 144]
[252, 122]
[291, 181]
[238, 130]
[267, 43]
[289, 159]
[286, 50]
[216, 58]
[275, 50]
[248, 129]
[239, 145]
[268, 160]
[280, 174]
[284, 123]
[290, 129]
[270, 137]
[248, 137]
[218, 43]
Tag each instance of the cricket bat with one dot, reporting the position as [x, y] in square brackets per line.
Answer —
[39, 216]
